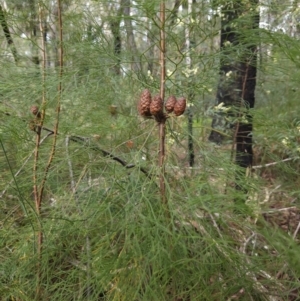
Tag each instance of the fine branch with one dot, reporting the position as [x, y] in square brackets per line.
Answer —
[84, 141]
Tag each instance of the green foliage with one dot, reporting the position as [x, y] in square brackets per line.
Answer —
[107, 236]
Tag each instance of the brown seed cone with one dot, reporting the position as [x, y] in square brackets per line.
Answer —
[179, 107]
[35, 111]
[156, 106]
[170, 103]
[144, 103]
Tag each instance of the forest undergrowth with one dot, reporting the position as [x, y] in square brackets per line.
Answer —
[82, 213]
[106, 235]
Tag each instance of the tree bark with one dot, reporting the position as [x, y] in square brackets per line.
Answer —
[34, 32]
[236, 88]
[237, 80]
[135, 63]
[151, 45]
[189, 64]
[175, 11]
[115, 29]
[7, 34]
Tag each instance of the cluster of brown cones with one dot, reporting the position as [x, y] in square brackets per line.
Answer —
[149, 106]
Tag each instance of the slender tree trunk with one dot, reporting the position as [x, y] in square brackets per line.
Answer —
[151, 45]
[115, 29]
[51, 34]
[8, 36]
[189, 64]
[135, 64]
[175, 11]
[34, 32]
[237, 80]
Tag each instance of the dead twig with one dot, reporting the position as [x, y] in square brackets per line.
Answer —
[268, 194]
[274, 163]
[278, 210]
[85, 141]
[243, 249]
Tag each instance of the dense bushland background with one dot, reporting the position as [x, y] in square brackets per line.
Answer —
[106, 234]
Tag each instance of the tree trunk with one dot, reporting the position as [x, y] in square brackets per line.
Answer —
[7, 34]
[151, 45]
[115, 29]
[237, 74]
[189, 65]
[50, 36]
[175, 11]
[237, 80]
[34, 25]
[135, 63]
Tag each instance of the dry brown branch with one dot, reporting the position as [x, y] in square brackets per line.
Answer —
[38, 195]
[40, 118]
[105, 153]
[162, 123]
[59, 88]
